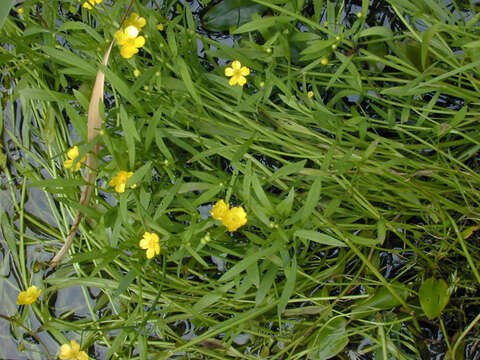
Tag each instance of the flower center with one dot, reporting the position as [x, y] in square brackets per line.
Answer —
[131, 32]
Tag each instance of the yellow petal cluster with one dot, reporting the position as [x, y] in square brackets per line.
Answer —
[72, 352]
[237, 73]
[219, 210]
[151, 243]
[89, 4]
[136, 21]
[128, 39]
[29, 296]
[120, 181]
[72, 154]
[233, 218]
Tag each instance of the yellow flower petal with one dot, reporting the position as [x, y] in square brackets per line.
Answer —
[150, 253]
[28, 296]
[229, 71]
[67, 164]
[120, 188]
[235, 218]
[236, 65]
[233, 80]
[139, 41]
[72, 153]
[87, 5]
[75, 346]
[241, 80]
[144, 243]
[128, 51]
[65, 352]
[219, 210]
[245, 71]
[120, 37]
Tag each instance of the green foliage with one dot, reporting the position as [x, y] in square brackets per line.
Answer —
[433, 295]
[353, 149]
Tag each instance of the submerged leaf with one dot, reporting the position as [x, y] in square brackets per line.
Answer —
[230, 13]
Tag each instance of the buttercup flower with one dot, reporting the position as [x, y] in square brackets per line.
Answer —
[72, 154]
[151, 243]
[120, 181]
[237, 73]
[29, 296]
[21, 10]
[234, 218]
[89, 4]
[219, 210]
[136, 21]
[130, 41]
[72, 352]
[160, 27]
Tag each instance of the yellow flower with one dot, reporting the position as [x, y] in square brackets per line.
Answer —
[234, 218]
[237, 73]
[72, 352]
[89, 4]
[324, 61]
[72, 154]
[160, 27]
[150, 242]
[310, 94]
[29, 296]
[21, 10]
[219, 210]
[120, 181]
[136, 73]
[135, 20]
[130, 41]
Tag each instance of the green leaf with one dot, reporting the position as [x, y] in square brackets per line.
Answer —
[292, 168]
[313, 197]
[329, 340]
[284, 208]
[230, 13]
[212, 297]
[56, 183]
[140, 174]
[187, 79]
[4, 10]
[266, 284]
[291, 276]
[381, 31]
[318, 237]
[433, 296]
[381, 300]
[68, 58]
[44, 95]
[247, 261]
[130, 133]
[262, 23]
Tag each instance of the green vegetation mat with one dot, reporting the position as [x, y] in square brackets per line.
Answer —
[352, 152]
